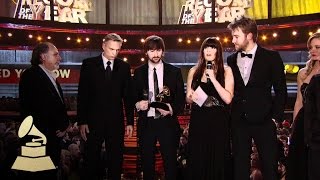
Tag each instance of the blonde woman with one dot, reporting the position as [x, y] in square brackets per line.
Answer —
[297, 147]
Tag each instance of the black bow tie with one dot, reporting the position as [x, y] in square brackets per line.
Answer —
[244, 55]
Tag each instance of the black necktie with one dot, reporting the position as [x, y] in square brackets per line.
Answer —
[244, 55]
[108, 71]
[156, 90]
[155, 83]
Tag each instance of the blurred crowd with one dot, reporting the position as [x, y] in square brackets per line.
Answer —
[72, 147]
[283, 135]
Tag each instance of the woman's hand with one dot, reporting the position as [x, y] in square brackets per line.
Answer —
[210, 74]
[189, 94]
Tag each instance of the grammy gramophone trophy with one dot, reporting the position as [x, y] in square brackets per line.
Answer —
[33, 155]
[161, 99]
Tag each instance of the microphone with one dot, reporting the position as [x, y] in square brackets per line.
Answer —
[145, 95]
[209, 66]
[150, 96]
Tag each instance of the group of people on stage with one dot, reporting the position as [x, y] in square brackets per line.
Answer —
[238, 107]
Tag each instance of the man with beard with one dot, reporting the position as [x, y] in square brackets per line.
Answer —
[254, 112]
[160, 123]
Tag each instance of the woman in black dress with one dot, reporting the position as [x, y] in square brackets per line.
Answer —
[297, 164]
[209, 140]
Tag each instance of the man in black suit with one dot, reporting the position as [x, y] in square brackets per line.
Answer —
[254, 112]
[105, 84]
[41, 97]
[154, 124]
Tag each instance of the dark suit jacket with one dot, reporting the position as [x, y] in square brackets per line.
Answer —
[172, 78]
[101, 103]
[312, 113]
[39, 98]
[254, 100]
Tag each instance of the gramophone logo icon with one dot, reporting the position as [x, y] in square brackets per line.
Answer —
[33, 155]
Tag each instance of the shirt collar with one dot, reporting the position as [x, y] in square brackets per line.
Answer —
[157, 66]
[252, 51]
[48, 72]
[105, 60]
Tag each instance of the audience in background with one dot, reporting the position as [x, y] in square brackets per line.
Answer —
[72, 155]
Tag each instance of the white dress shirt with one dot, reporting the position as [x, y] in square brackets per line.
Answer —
[52, 76]
[105, 60]
[159, 71]
[245, 64]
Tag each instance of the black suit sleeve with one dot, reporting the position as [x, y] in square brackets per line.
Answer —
[26, 86]
[83, 94]
[178, 102]
[128, 97]
[137, 80]
[279, 86]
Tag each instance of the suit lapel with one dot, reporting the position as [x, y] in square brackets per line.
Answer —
[116, 65]
[50, 85]
[145, 75]
[254, 69]
[60, 90]
[99, 64]
[236, 72]
[165, 74]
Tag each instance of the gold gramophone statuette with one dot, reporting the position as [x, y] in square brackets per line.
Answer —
[164, 93]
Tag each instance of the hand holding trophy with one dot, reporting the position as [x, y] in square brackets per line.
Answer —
[161, 99]
[144, 103]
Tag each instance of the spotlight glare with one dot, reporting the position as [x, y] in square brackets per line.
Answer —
[318, 30]
[295, 69]
[125, 59]
[87, 39]
[218, 38]
[78, 40]
[274, 35]
[10, 34]
[39, 38]
[310, 33]
[286, 67]
[125, 40]
[189, 41]
[30, 36]
[68, 38]
[49, 37]
[225, 40]
[264, 37]
[142, 59]
[294, 33]
[142, 40]
[197, 39]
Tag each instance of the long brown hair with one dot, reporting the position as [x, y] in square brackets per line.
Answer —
[310, 63]
[218, 65]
